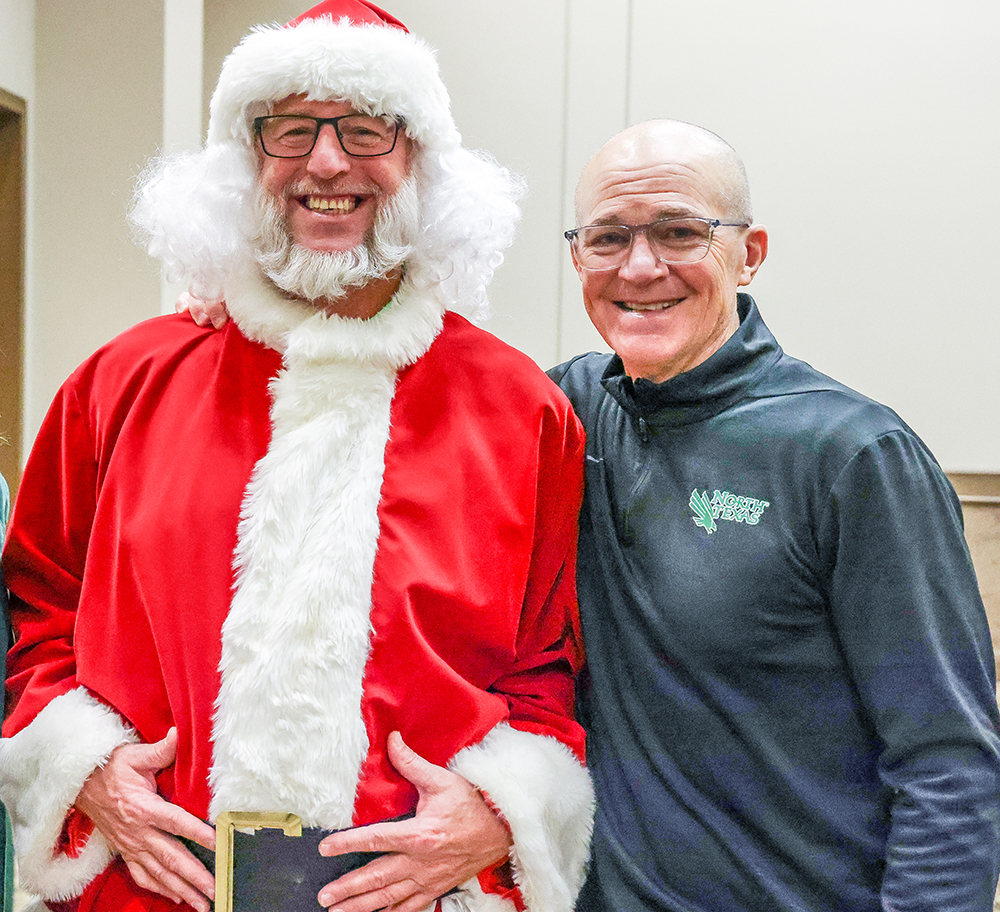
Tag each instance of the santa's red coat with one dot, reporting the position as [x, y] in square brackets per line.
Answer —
[120, 559]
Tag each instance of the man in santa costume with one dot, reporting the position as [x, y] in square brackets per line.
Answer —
[319, 562]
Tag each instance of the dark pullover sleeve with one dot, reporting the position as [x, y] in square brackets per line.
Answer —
[908, 613]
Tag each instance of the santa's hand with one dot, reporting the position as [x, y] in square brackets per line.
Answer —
[204, 313]
[122, 801]
[453, 837]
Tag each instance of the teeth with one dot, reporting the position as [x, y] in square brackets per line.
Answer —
[322, 203]
[663, 305]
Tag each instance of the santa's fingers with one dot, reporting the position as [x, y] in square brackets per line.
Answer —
[164, 869]
[375, 890]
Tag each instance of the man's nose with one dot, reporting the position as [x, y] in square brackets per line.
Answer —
[328, 157]
[641, 262]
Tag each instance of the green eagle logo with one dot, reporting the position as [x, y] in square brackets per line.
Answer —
[702, 508]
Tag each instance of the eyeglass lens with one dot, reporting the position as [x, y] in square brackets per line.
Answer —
[673, 240]
[293, 136]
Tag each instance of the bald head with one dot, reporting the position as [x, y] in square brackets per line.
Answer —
[676, 143]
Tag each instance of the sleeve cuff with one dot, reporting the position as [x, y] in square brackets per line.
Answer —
[547, 800]
[42, 769]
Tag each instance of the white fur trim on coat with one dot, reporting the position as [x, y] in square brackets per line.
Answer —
[379, 70]
[396, 336]
[288, 730]
[546, 797]
[42, 769]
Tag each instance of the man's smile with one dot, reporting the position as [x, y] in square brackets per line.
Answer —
[637, 307]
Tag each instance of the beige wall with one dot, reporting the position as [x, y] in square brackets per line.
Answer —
[17, 47]
[96, 117]
[227, 22]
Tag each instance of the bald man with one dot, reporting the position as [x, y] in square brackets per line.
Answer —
[790, 689]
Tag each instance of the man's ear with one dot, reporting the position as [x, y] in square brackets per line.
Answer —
[576, 262]
[756, 247]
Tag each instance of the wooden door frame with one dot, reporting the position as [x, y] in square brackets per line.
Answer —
[979, 493]
[12, 259]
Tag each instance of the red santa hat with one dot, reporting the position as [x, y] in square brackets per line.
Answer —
[348, 50]
[357, 11]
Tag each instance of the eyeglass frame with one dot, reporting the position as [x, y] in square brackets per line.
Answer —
[258, 123]
[712, 223]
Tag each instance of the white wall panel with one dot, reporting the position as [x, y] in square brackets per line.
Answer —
[17, 46]
[183, 45]
[870, 133]
[505, 67]
[596, 108]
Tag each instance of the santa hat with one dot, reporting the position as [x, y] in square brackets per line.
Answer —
[346, 50]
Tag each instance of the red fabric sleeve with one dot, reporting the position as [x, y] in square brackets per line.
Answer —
[539, 689]
[44, 559]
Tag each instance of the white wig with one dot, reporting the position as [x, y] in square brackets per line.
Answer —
[195, 210]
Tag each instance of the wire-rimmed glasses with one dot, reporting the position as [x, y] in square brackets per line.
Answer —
[674, 241]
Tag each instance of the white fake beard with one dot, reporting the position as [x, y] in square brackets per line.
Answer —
[317, 275]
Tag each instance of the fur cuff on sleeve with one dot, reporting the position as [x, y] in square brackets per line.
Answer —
[42, 769]
[546, 797]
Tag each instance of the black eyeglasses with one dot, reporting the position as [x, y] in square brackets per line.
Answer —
[672, 240]
[295, 135]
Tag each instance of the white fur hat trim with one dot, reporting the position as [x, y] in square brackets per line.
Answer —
[378, 69]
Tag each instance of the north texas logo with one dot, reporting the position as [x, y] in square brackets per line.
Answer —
[727, 506]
